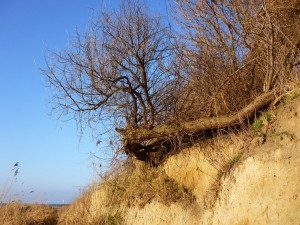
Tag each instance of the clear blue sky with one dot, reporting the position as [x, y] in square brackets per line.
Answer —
[53, 162]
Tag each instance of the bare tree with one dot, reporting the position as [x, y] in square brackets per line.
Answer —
[231, 54]
[126, 72]
[117, 71]
[215, 51]
[235, 49]
[276, 40]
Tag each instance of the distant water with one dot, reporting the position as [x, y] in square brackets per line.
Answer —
[57, 205]
[52, 205]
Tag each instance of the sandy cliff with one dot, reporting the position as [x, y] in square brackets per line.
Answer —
[241, 178]
[262, 188]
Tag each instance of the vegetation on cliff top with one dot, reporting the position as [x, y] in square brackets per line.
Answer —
[133, 71]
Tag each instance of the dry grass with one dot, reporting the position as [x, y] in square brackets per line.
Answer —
[139, 183]
[129, 186]
[17, 213]
[23, 214]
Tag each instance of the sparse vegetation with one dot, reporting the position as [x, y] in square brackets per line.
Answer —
[138, 185]
[291, 96]
[262, 120]
[268, 116]
[16, 213]
[229, 165]
[238, 157]
[258, 124]
[115, 219]
[131, 185]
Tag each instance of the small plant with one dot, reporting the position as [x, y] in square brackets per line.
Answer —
[229, 164]
[5, 192]
[115, 219]
[258, 124]
[268, 116]
[291, 96]
[238, 157]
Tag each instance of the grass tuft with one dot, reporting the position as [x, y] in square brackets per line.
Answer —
[237, 157]
[115, 219]
[257, 124]
[263, 120]
[290, 97]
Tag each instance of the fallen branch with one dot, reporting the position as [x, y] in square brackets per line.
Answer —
[153, 145]
[165, 131]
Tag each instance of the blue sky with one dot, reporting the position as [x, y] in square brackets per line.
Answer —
[53, 161]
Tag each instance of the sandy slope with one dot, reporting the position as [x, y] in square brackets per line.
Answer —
[263, 188]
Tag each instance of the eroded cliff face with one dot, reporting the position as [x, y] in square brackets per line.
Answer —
[244, 178]
[262, 188]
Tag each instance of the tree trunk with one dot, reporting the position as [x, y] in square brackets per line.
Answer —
[134, 139]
